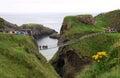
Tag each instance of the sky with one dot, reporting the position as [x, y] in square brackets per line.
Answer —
[38, 6]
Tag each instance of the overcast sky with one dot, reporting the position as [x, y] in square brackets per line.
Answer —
[37, 6]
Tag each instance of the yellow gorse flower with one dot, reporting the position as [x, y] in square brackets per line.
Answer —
[102, 53]
[99, 56]
[96, 57]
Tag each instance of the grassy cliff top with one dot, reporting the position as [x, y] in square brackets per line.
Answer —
[81, 28]
[19, 58]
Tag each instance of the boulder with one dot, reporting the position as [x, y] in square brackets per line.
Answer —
[86, 19]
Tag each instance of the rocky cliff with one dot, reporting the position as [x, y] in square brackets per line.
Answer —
[69, 61]
[72, 59]
[38, 30]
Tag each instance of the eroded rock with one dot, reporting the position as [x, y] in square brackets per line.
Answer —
[69, 62]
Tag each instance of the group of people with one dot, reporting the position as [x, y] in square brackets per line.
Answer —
[109, 29]
[43, 47]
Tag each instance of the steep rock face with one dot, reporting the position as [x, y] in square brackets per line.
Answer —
[69, 62]
[38, 30]
[86, 19]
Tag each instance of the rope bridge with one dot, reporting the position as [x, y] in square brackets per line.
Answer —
[73, 41]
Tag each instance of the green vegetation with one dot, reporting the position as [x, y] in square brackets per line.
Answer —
[109, 68]
[19, 58]
[112, 18]
[1, 23]
[108, 42]
[32, 24]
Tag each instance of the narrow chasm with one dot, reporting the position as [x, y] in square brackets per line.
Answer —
[68, 62]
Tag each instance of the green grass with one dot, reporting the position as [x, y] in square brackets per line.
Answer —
[19, 58]
[96, 43]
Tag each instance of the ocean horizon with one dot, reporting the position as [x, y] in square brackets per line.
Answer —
[51, 20]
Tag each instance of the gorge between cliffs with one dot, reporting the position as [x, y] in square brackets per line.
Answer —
[83, 48]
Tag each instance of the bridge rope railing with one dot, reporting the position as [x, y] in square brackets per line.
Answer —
[73, 41]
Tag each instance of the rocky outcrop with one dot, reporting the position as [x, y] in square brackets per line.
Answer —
[38, 30]
[86, 19]
[55, 35]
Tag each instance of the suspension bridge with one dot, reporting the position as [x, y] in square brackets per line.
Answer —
[73, 41]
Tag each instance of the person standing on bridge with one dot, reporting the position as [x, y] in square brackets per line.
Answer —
[43, 47]
[46, 47]
[40, 47]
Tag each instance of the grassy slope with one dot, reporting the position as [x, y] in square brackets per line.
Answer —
[109, 42]
[19, 58]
